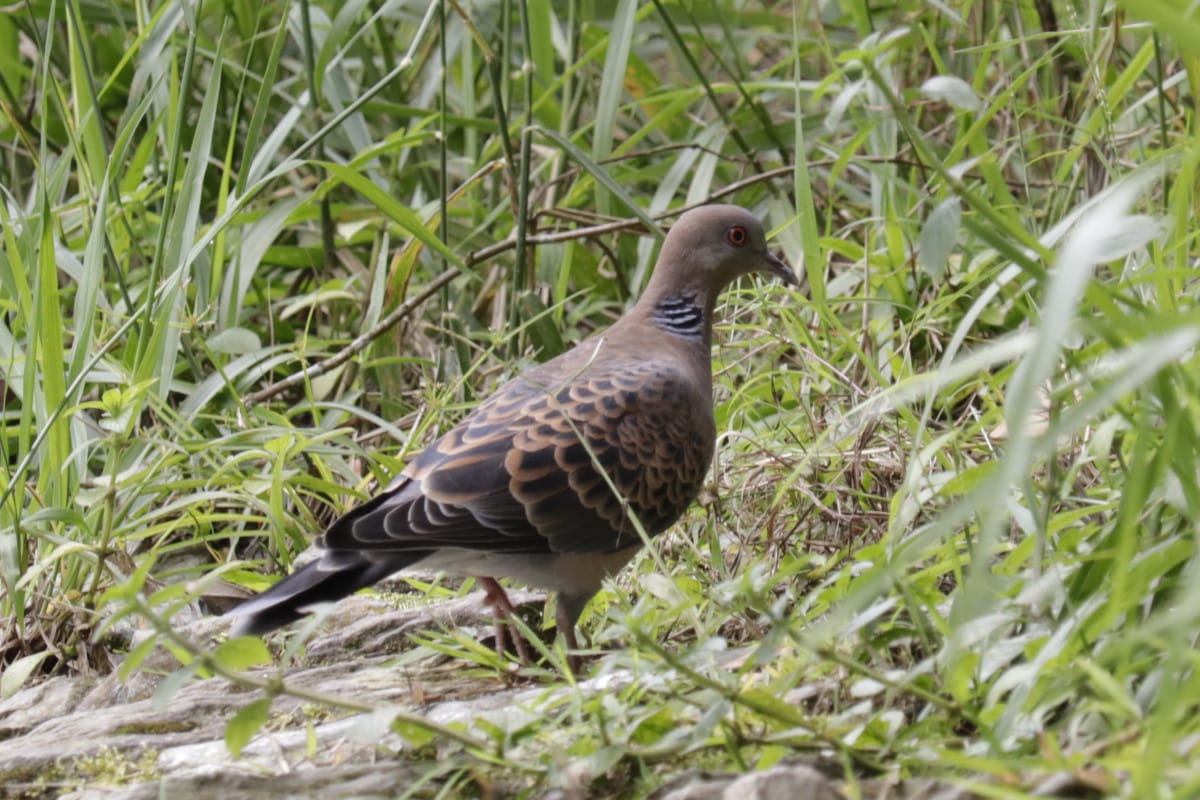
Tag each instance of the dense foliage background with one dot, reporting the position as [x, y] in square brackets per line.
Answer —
[952, 526]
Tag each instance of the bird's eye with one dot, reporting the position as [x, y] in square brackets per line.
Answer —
[737, 236]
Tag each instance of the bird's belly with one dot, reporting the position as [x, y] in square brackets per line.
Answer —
[569, 573]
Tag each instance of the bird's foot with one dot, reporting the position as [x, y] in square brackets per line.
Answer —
[497, 598]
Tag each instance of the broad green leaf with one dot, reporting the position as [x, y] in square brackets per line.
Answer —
[242, 727]
[939, 236]
[16, 673]
[243, 652]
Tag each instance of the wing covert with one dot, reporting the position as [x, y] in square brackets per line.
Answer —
[533, 469]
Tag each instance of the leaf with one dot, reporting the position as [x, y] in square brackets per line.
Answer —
[1126, 234]
[612, 82]
[543, 332]
[600, 761]
[938, 237]
[256, 239]
[603, 178]
[952, 91]
[171, 684]
[767, 703]
[399, 213]
[654, 727]
[866, 687]
[325, 296]
[245, 723]
[235, 342]
[243, 652]
[413, 733]
[840, 104]
[136, 657]
[663, 588]
[14, 677]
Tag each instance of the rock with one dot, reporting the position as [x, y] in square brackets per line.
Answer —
[89, 739]
[360, 781]
[783, 782]
[40, 702]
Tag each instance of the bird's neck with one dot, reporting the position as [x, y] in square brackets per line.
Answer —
[685, 312]
[682, 314]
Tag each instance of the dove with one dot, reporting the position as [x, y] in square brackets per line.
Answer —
[548, 480]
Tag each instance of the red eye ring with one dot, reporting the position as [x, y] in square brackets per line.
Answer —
[737, 236]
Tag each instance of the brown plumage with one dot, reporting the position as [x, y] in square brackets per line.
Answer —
[523, 487]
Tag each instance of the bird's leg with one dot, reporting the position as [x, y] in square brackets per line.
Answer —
[497, 598]
[566, 626]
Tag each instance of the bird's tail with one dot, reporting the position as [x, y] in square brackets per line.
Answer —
[331, 577]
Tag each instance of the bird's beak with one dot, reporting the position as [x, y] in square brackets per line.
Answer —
[777, 267]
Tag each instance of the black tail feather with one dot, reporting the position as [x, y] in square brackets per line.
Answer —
[331, 577]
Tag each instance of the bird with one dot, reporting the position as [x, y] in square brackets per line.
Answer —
[548, 480]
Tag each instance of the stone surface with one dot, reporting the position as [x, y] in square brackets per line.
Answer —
[782, 782]
[38, 703]
[360, 781]
[107, 739]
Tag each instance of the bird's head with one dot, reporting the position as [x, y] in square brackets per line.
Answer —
[711, 246]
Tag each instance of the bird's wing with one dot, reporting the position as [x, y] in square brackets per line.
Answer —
[529, 471]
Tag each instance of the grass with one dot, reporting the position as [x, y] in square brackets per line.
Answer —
[952, 523]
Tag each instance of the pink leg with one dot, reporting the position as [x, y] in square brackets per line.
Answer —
[497, 598]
